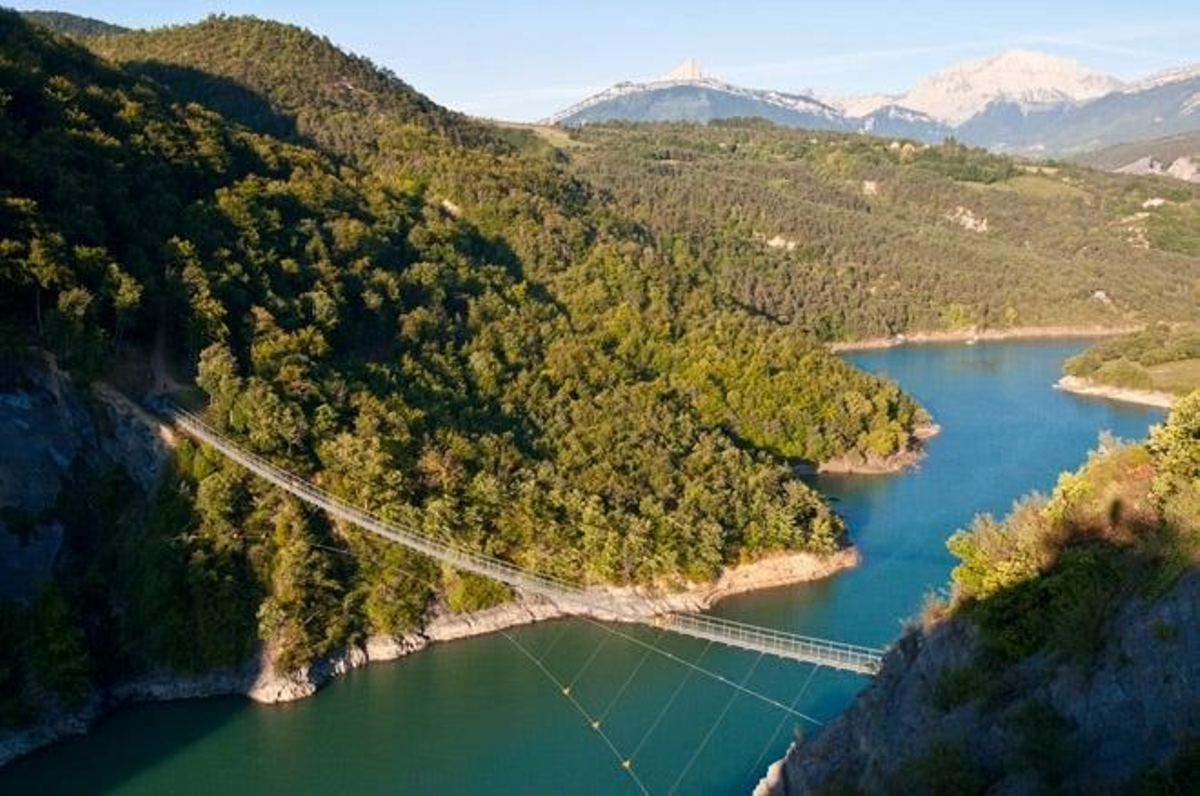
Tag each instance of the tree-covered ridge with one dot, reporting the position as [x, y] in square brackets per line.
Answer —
[850, 236]
[500, 358]
[72, 24]
[258, 72]
[1046, 590]
[612, 280]
[1162, 357]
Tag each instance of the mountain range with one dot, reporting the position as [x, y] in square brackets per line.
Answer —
[1017, 101]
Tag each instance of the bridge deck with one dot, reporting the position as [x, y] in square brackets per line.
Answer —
[864, 660]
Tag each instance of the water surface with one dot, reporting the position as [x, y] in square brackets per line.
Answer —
[478, 715]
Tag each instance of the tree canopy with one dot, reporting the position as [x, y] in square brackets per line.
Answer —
[428, 315]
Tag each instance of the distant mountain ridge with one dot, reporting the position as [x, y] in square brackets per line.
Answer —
[1028, 79]
[1016, 101]
[684, 94]
[1176, 156]
[72, 24]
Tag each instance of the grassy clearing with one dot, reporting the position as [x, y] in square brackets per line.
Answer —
[1176, 377]
[1046, 188]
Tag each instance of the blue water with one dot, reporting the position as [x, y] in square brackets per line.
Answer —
[478, 715]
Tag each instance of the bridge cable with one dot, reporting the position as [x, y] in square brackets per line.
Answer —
[783, 719]
[674, 695]
[597, 722]
[709, 673]
[625, 763]
[708, 736]
[650, 648]
[586, 664]
[612, 703]
[562, 631]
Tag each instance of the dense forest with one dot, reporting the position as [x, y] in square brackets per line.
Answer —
[849, 236]
[1161, 357]
[428, 315]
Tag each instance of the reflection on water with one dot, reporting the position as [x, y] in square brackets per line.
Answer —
[477, 715]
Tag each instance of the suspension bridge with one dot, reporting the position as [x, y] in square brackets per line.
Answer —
[644, 610]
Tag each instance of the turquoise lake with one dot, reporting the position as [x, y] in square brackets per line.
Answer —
[477, 715]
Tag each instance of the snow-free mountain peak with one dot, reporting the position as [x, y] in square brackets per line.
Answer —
[1029, 79]
[686, 93]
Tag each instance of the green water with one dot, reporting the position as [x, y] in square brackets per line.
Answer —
[477, 715]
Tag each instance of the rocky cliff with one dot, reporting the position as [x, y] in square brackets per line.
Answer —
[48, 429]
[1038, 724]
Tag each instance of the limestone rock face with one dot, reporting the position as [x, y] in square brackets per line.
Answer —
[1131, 707]
[47, 428]
[135, 439]
[43, 425]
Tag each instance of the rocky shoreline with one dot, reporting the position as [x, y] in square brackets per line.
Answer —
[258, 682]
[872, 464]
[1081, 386]
[974, 335]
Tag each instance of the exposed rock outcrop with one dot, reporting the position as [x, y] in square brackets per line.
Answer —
[1132, 707]
[134, 439]
[874, 464]
[47, 427]
[1183, 168]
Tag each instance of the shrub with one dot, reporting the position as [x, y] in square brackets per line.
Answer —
[1123, 373]
[1177, 777]
[944, 770]
[1164, 631]
[1043, 745]
[466, 592]
[955, 687]
[57, 654]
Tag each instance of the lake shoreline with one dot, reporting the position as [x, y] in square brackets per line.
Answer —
[256, 681]
[1078, 385]
[872, 464]
[982, 335]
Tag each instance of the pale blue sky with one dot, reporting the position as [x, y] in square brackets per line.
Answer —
[525, 59]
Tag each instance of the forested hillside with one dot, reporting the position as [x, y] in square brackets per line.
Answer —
[425, 314]
[71, 24]
[850, 236]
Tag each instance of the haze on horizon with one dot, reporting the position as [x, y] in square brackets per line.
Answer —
[522, 61]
